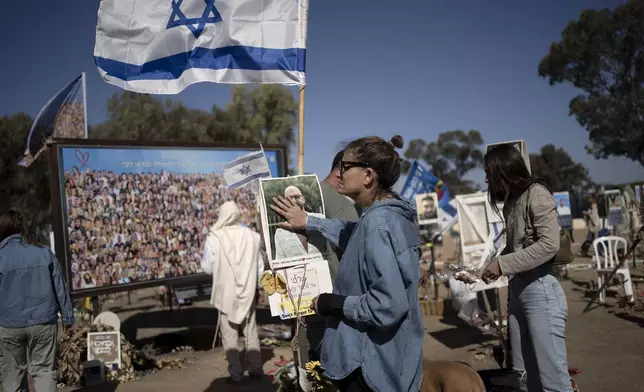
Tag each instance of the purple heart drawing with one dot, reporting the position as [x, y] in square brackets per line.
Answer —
[83, 157]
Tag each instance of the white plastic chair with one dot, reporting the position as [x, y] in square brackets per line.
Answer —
[606, 258]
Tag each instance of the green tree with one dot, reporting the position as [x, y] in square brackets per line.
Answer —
[558, 170]
[263, 114]
[266, 114]
[132, 116]
[450, 158]
[238, 114]
[602, 54]
[274, 112]
[25, 189]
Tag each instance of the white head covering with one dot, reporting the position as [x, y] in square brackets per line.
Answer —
[229, 215]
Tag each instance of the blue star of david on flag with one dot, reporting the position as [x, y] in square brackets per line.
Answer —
[196, 41]
[245, 170]
[196, 25]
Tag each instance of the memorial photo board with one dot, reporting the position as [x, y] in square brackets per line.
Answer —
[128, 216]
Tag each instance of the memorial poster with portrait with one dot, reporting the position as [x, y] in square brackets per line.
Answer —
[135, 216]
[563, 209]
[283, 247]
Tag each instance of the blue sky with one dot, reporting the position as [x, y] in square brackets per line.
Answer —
[376, 67]
[136, 160]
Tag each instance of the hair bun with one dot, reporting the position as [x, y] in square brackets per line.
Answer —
[397, 141]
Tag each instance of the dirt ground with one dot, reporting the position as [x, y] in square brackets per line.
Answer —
[607, 347]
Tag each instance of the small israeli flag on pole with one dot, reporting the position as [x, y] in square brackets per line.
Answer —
[246, 168]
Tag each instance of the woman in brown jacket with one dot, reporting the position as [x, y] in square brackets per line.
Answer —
[537, 303]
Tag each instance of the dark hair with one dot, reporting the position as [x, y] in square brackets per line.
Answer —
[507, 175]
[11, 223]
[337, 159]
[381, 156]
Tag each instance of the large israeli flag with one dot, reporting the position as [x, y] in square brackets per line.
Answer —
[163, 46]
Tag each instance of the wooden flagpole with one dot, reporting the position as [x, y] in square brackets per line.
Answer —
[300, 343]
[300, 136]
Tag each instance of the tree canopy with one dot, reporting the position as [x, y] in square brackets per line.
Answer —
[25, 189]
[266, 114]
[602, 54]
[558, 170]
[450, 158]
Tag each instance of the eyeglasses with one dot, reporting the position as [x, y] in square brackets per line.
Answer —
[346, 165]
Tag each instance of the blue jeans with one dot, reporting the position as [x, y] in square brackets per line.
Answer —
[537, 326]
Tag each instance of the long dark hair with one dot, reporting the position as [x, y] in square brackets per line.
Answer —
[11, 222]
[507, 175]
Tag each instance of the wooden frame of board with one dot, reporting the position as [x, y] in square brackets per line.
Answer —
[478, 226]
[60, 217]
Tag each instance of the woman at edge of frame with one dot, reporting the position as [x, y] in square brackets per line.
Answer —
[537, 304]
[374, 335]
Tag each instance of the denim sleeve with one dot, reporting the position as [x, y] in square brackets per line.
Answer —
[336, 231]
[62, 294]
[385, 303]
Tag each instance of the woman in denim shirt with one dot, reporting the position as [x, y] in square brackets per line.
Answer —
[374, 335]
[32, 293]
[537, 303]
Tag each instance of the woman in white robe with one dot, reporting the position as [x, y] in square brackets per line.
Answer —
[231, 255]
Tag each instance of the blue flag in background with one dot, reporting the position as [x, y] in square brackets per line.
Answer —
[63, 117]
[421, 180]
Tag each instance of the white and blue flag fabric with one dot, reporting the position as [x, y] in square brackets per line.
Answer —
[419, 181]
[246, 168]
[163, 46]
[64, 116]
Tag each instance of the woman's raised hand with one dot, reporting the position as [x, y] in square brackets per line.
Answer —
[294, 215]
